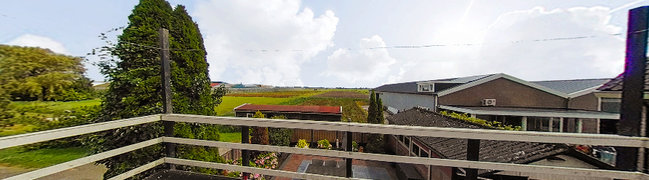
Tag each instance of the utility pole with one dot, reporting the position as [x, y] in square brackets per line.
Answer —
[167, 107]
[633, 88]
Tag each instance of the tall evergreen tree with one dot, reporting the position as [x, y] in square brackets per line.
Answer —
[136, 88]
[379, 109]
[371, 111]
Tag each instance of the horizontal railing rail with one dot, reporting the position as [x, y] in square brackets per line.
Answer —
[460, 133]
[500, 135]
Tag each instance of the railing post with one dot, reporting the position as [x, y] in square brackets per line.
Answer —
[167, 107]
[348, 161]
[472, 154]
[245, 154]
[633, 85]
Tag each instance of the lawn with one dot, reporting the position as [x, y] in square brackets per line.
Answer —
[230, 137]
[50, 107]
[230, 102]
[39, 158]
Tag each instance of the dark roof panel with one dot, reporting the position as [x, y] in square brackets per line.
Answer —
[493, 151]
[572, 86]
[411, 87]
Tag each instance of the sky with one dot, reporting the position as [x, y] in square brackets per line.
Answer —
[357, 43]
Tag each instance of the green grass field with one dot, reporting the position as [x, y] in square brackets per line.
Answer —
[39, 158]
[230, 102]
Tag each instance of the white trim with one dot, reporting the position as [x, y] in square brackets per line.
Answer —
[583, 91]
[497, 76]
[460, 133]
[601, 115]
[83, 161]
[41, 136]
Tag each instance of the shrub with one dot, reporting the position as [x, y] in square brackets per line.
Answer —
[302, 144]
[279, 136]
[324, 144]
[492, 124]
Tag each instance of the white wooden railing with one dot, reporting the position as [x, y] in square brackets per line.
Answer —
[526, 136]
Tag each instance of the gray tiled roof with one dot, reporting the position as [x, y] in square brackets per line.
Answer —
[493, 151]
[572, 86]
[615, 84]
[411, 87]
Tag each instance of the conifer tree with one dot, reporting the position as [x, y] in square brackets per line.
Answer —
[379, 109]
[136, 88]
[371, 110]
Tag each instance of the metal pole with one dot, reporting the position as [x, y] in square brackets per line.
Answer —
[245, 154]
[348, 161]
[472, 154]
[167, 108]
[633, 85]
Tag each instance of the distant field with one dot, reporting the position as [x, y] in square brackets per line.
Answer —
[277, 94]
[343, 94]
[230, 102]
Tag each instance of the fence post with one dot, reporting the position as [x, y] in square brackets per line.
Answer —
[167, 107]
[348, 161]
[633, 86]
[472, 154]
[245, 154]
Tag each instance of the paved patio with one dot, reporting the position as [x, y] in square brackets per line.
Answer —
[336, 167]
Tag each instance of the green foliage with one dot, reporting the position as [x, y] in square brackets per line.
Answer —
[375, 144]
[372, 114]
[259, 134]
[354, 146]
[31, 73]
[324, 144]
[491, 124]
[379, 109]
[135, 88]
[279, 136]
[351, 110]
[301, 143]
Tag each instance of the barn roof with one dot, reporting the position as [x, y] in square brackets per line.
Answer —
[290, 108]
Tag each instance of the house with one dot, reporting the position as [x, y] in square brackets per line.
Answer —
[555, 106]
[491, 151]
[610, 98]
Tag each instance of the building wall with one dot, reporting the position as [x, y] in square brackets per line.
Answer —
[589, 126]
[507, 94]
[584, 102]
[403, 101]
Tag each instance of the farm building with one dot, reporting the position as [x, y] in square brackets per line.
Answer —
[320, 113]
[554, 106]
[493, 151]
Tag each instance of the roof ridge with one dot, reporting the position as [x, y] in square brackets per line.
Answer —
[572, 80]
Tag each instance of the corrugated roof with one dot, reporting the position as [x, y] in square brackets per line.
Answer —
[411, 87]
[493, 151]
[289, 108]
[573, 85]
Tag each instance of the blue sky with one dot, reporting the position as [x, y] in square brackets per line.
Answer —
[327, 43]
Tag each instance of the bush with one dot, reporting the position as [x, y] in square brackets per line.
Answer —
[376, 144]
[354, 146]
[302, 144]
[492, 124]
[324, 144]
[279, 136]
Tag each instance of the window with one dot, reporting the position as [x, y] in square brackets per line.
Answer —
[423, 153]
[611, 105]
[415, 149]
[425, 88]
[406, 141]
[538, 124]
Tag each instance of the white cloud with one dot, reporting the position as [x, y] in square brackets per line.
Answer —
[362, 66]
[235, 31]
[38, 41]
[599, 55]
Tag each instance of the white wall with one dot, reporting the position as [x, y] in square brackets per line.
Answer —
[402, 101]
